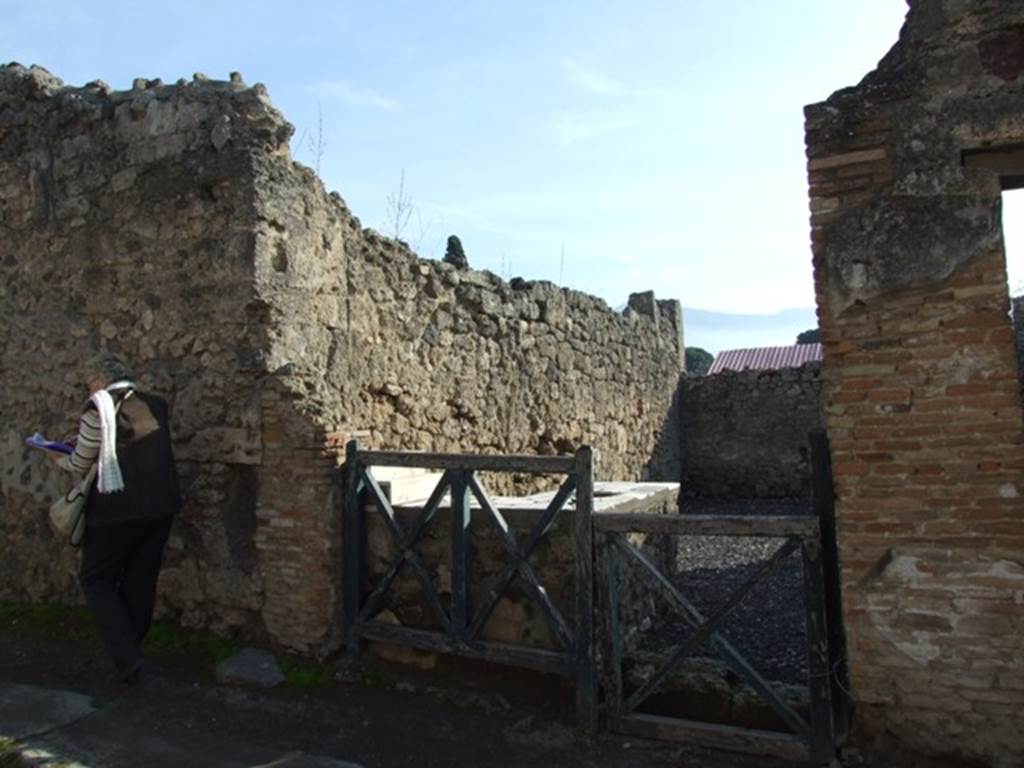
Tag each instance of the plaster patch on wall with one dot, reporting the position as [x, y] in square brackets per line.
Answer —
[898, 619]
[905, 578]
[918, 649]
[902, 568]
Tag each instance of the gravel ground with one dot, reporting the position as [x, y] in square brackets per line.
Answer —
[767, 627]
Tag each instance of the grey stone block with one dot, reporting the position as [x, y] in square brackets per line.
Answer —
[26, 709]
[251, 667]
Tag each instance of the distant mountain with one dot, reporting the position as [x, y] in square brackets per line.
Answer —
[715, 331]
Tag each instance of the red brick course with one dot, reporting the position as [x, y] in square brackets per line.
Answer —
[924, 419]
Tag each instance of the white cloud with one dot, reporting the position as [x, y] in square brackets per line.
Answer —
[570, 127]
[353, 95]
[589, 79]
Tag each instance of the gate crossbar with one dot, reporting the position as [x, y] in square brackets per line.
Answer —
[406, 553]
[373, 600]
[809, 738]
[705, 628]
[519, 563]
[458, 634]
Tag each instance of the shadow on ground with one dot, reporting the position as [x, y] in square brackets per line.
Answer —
[374, 714]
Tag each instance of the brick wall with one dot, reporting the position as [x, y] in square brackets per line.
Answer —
[299, 525]
[923, 400]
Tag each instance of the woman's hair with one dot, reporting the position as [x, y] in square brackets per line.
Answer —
[110, 366]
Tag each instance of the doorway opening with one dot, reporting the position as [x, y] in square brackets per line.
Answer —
[1013, 239]
[1013, 243]
[1008, 163]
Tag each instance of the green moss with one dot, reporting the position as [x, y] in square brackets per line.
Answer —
[202, 647]
[10, 754]
[47, 618]
[377, 677]
[195, 649]
[304, 673]
[198, 649]
[42, 614]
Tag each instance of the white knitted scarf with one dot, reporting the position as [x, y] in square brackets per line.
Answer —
[108, 473]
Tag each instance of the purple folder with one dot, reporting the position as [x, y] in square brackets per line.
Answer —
[38, 441]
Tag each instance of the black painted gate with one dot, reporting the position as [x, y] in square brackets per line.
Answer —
[605, 544]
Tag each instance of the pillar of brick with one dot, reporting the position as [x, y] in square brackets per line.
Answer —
[298, 533]
[923, 399]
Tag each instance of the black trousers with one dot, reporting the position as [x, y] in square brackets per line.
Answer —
[120, 565]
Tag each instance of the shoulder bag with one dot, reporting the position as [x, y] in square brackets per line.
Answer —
[67, 514]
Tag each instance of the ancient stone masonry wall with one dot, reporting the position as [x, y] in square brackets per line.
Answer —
[126, 222]
[744, 434]
[405, 353]
[448, 359]
[370, 341]
[170, 223]
[923, 401]
[417, 354]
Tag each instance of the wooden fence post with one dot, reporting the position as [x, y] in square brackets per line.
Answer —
[612, 648]
[586, 679]
[461, 553]
[354, 535]
[819, 685]
[824, 509]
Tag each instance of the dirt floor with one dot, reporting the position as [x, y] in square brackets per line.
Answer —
[374, 714]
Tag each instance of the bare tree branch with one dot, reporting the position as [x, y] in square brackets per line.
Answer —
[399, 209]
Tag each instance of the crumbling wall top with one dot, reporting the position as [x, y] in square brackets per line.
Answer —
[885, 158]
[152, 107]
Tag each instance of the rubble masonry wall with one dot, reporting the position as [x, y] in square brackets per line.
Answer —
[169, 223]
[744, 434]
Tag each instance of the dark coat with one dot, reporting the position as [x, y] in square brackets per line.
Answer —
[147, 465]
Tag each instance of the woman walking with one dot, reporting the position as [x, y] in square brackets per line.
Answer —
[129, 511]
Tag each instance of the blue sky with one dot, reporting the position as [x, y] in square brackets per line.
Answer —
[612, 147]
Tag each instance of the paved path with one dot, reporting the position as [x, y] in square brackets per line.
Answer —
[58, 726]
[58, 703]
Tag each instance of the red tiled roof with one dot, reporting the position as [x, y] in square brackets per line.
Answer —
[765, 358]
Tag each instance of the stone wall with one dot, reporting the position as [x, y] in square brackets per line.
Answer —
[126, 223]
[923, 401]
[744, 434]
[170, 223]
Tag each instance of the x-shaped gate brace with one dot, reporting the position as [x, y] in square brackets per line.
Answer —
[405, 543]
[705, 628]
[519, 562]
[460, 628]
[811, 738]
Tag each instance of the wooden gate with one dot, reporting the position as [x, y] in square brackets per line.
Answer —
[811, 735]
[460, 624]
[810, 738]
